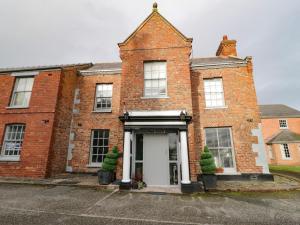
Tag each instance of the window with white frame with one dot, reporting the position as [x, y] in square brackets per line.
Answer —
[283, 124]
[103, 101]
[13, 141]
[99, 146]
[214, 95]
[219, 142]
[155, 79]
[285, 151]
[22, 92]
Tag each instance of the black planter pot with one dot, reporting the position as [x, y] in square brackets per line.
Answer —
[209, 181]
[105, 177]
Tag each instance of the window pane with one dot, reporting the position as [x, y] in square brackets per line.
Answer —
[213, 90]
[224, 137]
[99, 145]
[172, 146]
[216, 157]
[173, 173]
[139, 171]
[139, 147]
[29, 84]
[103, 96]
[155, 78]
[226, 158]
[13, 139]
[20, 84]
[211, 137]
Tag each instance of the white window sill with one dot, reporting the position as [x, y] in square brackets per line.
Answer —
[9, 159]
[283, 128]
[102, 111]
[17, 107]
[217, 107]
[154, 97]
[287, 158]
[94, 165]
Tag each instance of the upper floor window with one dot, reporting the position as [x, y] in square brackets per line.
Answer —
[283, 124]
[22, 92]
[99, 146]
[103, 99]
[13, 141]
[285, 151]
[155, 79]
[214, 95]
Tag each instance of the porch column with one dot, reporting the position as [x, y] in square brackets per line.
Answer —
[126, 158]
[184, 158]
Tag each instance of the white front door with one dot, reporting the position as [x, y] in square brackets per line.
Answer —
[156, 159]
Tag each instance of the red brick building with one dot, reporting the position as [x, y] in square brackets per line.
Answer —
[160, 107]
[281, 131]
[35, 117]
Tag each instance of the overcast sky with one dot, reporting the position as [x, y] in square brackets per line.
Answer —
[45, 32]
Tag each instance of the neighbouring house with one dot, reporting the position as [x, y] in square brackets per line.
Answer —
[158, 105]
[35, 117]
[281, 131]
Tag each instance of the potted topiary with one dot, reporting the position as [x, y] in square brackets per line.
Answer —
[208, 168]
[106, 173]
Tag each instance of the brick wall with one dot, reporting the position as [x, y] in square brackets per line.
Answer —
[85, 119]
[271, 126]
[37, 140]
[294, 149]
[62, 124]
[241, 112]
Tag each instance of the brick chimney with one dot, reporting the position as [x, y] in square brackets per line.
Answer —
[227, 47]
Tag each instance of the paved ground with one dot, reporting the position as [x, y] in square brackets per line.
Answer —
[42, 205]
[291, 174]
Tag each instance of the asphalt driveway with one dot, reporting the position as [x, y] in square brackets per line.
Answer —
[36, 205]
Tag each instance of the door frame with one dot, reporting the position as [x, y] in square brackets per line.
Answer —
[133, 154]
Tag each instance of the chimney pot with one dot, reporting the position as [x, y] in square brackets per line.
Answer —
[225, 38]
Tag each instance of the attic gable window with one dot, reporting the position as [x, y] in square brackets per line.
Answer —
[155, 79]
[283, 124]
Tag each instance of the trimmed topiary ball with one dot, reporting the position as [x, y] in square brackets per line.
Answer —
[207, 162]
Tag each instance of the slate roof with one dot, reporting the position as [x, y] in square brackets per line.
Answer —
[32, 68]
[216, 60]
[278, 111]
[117, 66]
[284, 136]
[106, 66]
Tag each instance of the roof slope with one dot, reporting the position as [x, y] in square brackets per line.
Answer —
[284, 136]
[216, 60]
[277, 111]
[49, 67]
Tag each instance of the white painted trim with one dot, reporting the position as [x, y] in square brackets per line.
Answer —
[151, 97]
[25, 74]
[10, 158]
[94, 165]
[157, 123]
[217, 107]
[126, 158]
[185, 171]
[156, 113]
